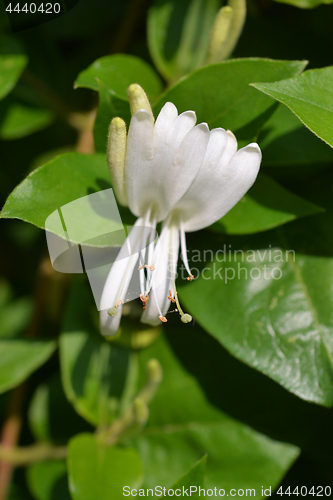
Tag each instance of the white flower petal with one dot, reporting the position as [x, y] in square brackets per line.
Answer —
[215, 192]
[166, 259]
[159, 169]
[163, 124]
[139, 167]
[180, 128]
[118, 280]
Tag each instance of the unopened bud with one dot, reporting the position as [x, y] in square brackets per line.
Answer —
[219, 35]
[138, 100]
[116, 153]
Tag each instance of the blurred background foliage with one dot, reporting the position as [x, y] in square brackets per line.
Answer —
[38, 121]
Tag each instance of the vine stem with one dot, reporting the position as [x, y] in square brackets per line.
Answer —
[30, 454]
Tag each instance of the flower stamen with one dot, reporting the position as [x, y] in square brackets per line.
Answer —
[170, 297]
[184, 252]
[145, 300]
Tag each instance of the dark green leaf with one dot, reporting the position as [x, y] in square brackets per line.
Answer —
[178, 34]
[48, 480]
[11, 67]
[20, 358]
[195, 477]
[184, 425]
[18, 120]
[284, 141]
[221, 96]
[100, 472]
[117, 72]
[15, 315]
[309, 97]
[270, 307]
[63, 180]
[265, 206]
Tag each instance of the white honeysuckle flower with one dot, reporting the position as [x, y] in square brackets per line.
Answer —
[175, 172]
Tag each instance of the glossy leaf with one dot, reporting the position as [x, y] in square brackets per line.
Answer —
[65, 179]
[221, 96]
[117, 72]
[20, 358]
[11, 67]
[270, 308]
[98, 471]
[195, 477]
[48, 480]
[18, 120]
[285, 141]
[265, 206]
[184, 425]
[178, 34]
[307, 97]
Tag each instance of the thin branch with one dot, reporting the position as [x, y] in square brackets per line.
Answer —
[30, 454]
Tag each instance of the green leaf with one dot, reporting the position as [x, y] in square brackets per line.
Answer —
[265, 206]
[184, 425]
[285, 141]
[18, 120]
[309, 97]
[98, 377]
[15, 315]
[221, 96]
[305, 4]
[195, 477]
[267, 303]
[11, 67]
[20, 358]
[48, 480]
[65, 179]
[100, 472]
[117, 72]
[178, 34]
